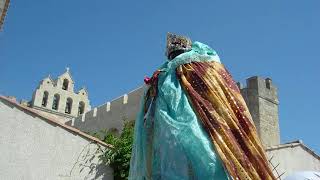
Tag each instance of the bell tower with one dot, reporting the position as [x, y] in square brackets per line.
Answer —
[261, 97]
[57, 97]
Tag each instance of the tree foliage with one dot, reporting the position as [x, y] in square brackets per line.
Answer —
[118, 157]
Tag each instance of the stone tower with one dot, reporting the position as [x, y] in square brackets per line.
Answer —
[57, 97]
[262, 100]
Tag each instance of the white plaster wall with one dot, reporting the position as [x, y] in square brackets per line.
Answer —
[293, 159]
[31, 148]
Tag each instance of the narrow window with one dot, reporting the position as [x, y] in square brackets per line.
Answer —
[68, 106]
[45, 99]
[81, 108]
[268, 83]
[65, 84]
[55, 103]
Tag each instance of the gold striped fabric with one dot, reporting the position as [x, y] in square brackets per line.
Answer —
[219, 105]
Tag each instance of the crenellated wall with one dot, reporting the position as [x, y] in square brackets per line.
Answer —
[110, 115]
[259, 93]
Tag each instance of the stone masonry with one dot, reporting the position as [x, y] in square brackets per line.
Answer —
[111, 115]
[262, 100]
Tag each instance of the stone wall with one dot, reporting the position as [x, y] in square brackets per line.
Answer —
[262, 100]
[33, 148]
[110, 115]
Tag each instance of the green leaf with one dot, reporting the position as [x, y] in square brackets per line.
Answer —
[119, 157]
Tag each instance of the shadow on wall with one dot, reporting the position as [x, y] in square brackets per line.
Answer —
[88, 164]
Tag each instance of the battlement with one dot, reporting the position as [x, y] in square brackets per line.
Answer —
[110, 115]
[261, 87]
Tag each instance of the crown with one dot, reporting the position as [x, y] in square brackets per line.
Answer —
[177, 43]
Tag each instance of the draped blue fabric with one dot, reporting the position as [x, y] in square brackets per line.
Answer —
[171, 143]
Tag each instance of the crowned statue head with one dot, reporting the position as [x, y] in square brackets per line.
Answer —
[176, 45]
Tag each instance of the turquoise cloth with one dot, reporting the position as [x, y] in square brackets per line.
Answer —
[172, 144]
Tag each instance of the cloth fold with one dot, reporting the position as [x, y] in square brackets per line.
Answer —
[218, 102]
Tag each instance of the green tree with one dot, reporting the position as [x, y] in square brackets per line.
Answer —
[118, 157]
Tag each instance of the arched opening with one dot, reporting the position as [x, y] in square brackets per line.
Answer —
[68, 106]
[65, 84]
[268, 83]
[55, 103]
[81, 108]
[45, 99]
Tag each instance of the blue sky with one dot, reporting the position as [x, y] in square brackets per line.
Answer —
[111, 45]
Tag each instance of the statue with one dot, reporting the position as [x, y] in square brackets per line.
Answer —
[194, 123]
